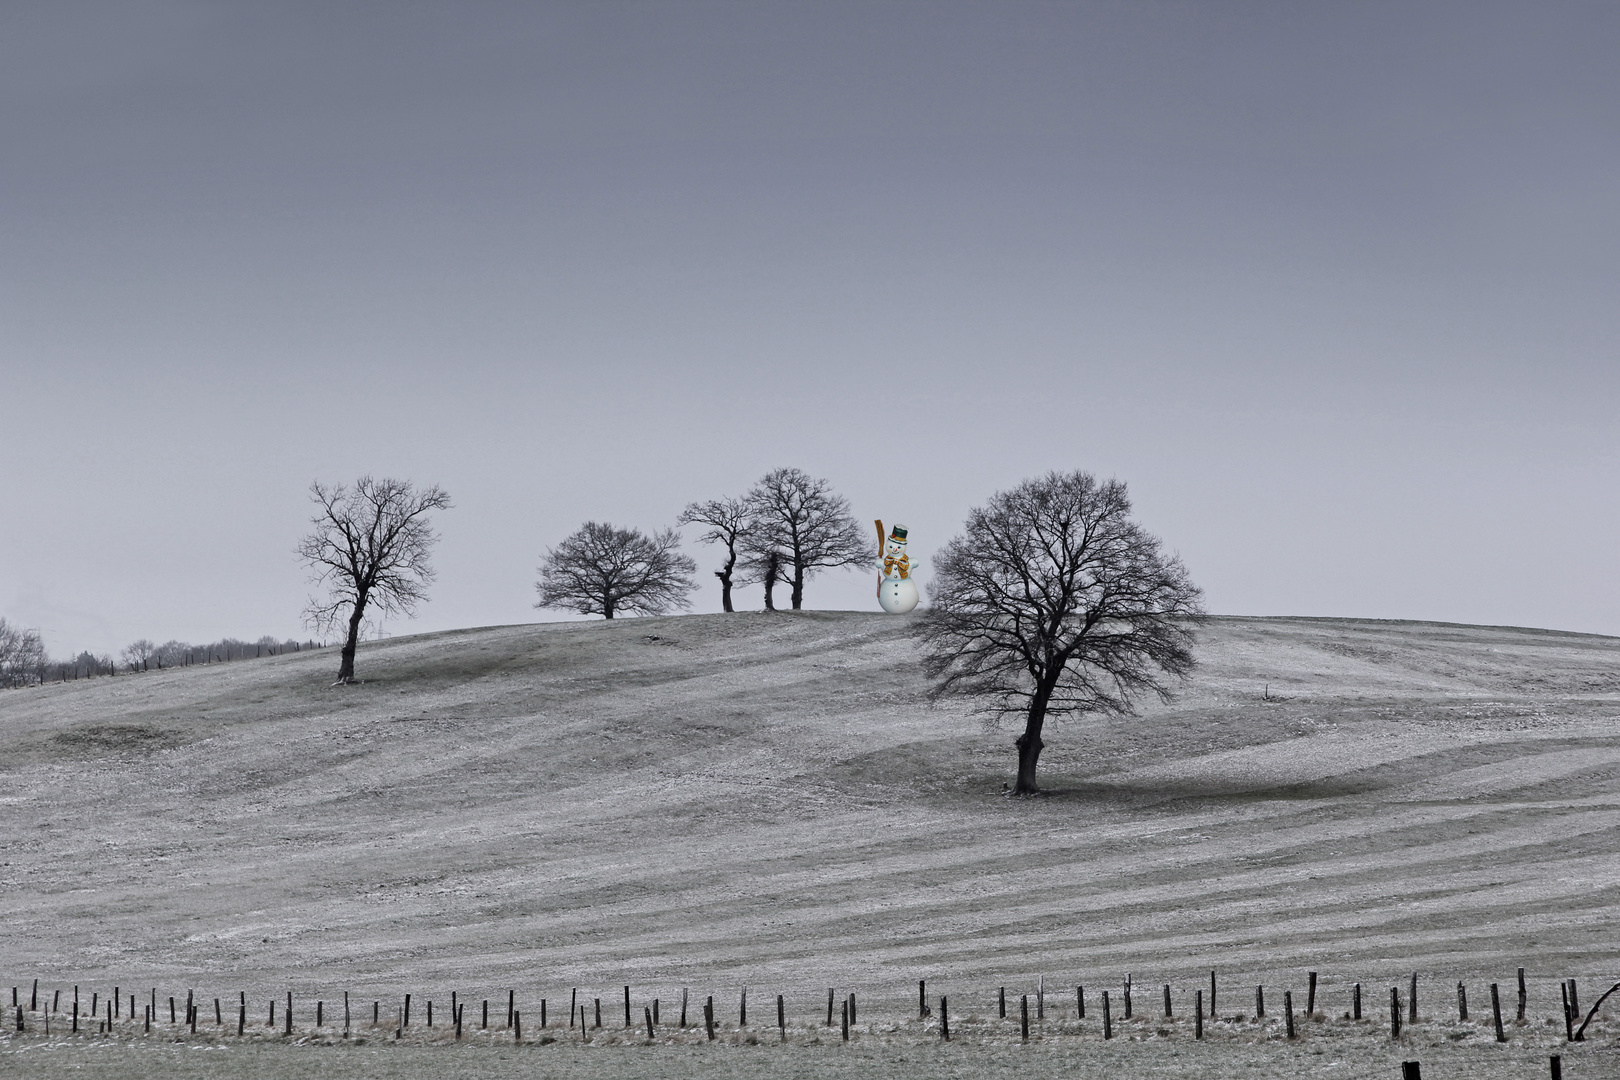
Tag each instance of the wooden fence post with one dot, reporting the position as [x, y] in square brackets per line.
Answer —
[1198, 1014]
[1108, 1020]
[1310, 995]
[944, 1018]
[1496, 1013]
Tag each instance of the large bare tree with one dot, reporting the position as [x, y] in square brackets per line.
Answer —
[370, 549]
[813, 525]
[1052, 602]
[605, 571]
[727, 520]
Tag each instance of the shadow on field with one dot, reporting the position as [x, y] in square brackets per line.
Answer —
[1146, 794]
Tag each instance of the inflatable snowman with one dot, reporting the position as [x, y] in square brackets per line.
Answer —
[897, 591]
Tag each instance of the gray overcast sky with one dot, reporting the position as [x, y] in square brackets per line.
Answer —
[1332, 287]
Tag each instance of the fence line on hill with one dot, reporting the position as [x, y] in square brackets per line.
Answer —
[116, 1014]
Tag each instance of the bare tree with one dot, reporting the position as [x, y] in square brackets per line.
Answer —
[138, 654]
[814, 525]
[765, 563]
[604, 571]
[22, 656]
[171, 654]
[370, 548]
[1054, 602]
[727, 520]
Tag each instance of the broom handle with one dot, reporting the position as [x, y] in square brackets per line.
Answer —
[879, 523]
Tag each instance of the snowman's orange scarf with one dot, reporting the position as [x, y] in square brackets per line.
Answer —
[902, 564]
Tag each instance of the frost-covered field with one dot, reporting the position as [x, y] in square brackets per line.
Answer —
[712, 801]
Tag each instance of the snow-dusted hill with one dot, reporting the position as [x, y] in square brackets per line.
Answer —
[768, 799]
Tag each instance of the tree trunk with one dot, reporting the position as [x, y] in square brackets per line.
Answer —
[1029, 748]
[607, 605]
[798, 586]
[725, 587]
[770, 583]
[346, 663]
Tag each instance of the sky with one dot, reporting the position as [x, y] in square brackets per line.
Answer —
[1331, 287]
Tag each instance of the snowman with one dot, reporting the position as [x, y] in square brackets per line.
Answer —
[897, 592]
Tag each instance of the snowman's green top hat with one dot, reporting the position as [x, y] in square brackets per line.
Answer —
[898, 533]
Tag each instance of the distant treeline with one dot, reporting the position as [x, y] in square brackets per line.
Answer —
[23, 660]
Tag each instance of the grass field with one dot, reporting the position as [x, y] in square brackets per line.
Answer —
[712, 801]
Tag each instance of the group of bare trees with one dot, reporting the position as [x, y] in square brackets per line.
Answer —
[24, 661]
[789, 527]
[143, 655]
[1052, 601]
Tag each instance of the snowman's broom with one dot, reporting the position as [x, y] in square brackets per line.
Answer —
[879, 523]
